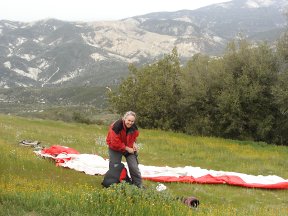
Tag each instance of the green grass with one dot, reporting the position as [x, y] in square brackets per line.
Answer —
[30, 185]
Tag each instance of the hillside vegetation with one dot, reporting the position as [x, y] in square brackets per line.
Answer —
[242, 95]
[30, 185]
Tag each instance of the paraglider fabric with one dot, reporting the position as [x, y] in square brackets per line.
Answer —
[92, 164]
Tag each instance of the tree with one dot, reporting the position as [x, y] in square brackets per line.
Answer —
[247, 103]
[153, 92]
[200, 84]
[280, 91]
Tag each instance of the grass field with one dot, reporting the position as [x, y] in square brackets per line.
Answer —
[30, 185]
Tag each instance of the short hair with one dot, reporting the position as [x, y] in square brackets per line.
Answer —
[129, 113]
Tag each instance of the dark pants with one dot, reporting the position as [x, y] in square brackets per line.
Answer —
[115, 158]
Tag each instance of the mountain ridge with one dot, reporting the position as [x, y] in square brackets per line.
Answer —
[52, 52]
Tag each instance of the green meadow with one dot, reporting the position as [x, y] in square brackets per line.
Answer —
[31, 185]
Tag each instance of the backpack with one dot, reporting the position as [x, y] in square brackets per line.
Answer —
[115, 175]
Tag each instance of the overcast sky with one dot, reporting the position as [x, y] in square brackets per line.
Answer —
[91, 10]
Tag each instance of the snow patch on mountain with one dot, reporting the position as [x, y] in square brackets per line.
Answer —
[22, 84]
[10, 52]
[39, 39]
[33, 72]
[184, 19]
[259, 3]
[129, 60]
[3, 85]
[43, 64]
[7, 64]
[56, 42]
[71, 75]
[23, 73]
[11, 26]
[27, 57]
[225, 5]
[97, 57]
[20, 41]
[89, 40]
[218, 39]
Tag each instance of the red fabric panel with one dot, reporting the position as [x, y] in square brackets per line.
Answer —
[123, 174]
[57, 149]
[209, 179]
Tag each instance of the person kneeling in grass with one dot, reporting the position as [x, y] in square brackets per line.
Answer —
[121, 140]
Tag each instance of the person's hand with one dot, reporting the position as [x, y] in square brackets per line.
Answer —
[130, 150]
[135, 147]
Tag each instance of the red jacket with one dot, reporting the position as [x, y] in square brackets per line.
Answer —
[119, 136]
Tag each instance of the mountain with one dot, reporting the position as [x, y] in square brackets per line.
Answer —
[52, 53]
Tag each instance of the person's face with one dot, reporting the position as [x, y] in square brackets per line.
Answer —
[129, 121]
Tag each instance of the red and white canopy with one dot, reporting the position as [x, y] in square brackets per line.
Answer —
[96, 165]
